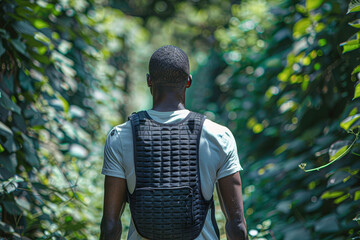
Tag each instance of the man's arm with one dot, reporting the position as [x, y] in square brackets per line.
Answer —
[230, 196]
[114, 203]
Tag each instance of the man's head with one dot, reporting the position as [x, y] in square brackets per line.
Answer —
[169, 67]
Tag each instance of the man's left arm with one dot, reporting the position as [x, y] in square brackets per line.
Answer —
[114, 203]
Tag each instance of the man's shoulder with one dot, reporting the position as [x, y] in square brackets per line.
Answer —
[120, 129]
[218, 132]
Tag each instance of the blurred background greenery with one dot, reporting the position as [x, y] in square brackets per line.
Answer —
[282, 75]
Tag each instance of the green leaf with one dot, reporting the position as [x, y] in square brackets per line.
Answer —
[19, 122]
[4, 34]
[337, 149]
[25, 82]
[19, 45]
[313, 4]
[329, 194]
[10, 163]
[354, 6]
[347, 122]
[328, 224]
[355, 23]
[341, 199]
[2, 49]
[9, 82]
[30, 152]
[357, 90]
[357, 195]
[11, 207]
[9, 144]
[5, 129]
[65, 103]
[356, 70]
[38, 23]
[337, 177]
[350, 46]
[7, 103]
[24, 27]
[10, 187]
[23, 203]
[300, 27]
[6, 227]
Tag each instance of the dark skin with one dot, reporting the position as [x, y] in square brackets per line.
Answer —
[229, 188]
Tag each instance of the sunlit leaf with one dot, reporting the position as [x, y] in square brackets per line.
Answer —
[337, 149]
[10, 187]
[357, 90]
[41, 37]
[38, 23]
[313, 4]
[357, 195]
[341, 199]
[78, 151]
[281, 149]
[354, 6]
[357, 218]
[23, 203]
[332, 194]
[347, 122]
[6, 227]
[352, 44]
[65, 103]
[258, 128]
[355, 23]
[301, 26]
[356, 70]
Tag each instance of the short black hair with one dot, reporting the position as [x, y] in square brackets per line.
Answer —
[169, 66]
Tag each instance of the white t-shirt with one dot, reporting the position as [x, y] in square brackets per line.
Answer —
[218, 158]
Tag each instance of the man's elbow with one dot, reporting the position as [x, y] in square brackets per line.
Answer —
[110, 230]
[236, 230]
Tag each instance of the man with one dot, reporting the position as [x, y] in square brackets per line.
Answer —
[164, 166]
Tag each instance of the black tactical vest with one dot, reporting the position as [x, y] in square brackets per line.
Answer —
[167, 202]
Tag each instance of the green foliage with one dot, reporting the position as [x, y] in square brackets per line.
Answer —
[272, 71]
[56, 76]
[288, 105]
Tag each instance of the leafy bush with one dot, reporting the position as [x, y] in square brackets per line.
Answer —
[285, 90]
[54, 102]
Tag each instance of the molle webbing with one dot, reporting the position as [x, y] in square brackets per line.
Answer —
[167, 202]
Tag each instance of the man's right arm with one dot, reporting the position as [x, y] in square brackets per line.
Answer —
[114, 203]
[230, 195]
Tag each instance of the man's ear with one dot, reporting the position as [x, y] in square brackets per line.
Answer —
[189, 81]
[148, 80]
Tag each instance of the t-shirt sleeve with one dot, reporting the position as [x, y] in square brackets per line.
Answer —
[112, 165]
[230, 163]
